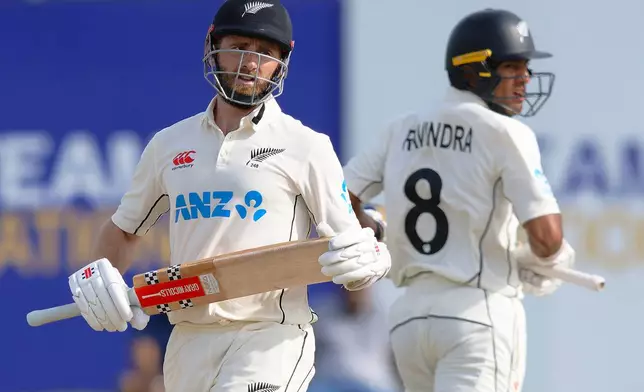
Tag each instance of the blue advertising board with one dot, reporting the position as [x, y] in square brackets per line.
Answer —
[84, 85]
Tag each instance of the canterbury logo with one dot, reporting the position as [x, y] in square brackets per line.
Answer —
[254, 6]
[262, 387]
[261, 154]
[183, 158]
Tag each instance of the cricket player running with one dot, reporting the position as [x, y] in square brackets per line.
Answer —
[240, 175]
[458, 182]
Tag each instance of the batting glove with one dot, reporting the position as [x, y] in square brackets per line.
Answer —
[99, 291]
[534, 283]
[355, 258]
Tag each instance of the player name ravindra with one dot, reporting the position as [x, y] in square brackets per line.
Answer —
[439, 135]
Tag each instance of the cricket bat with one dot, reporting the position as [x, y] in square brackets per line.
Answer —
[569, 275]
[215, 279]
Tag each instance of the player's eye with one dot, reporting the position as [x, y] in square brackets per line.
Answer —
[266, 52]
[239, 46]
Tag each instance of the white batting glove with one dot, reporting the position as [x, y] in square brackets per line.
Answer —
[379, 219]
[99, 291]
[355, 258]
[534, 283]
[537, 285]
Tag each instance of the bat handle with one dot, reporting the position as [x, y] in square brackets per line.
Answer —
[583, 279]
[36, 318]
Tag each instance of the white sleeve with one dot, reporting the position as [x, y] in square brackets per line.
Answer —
[145, 201]
[524, 182]
[365, 172]
[324, 190]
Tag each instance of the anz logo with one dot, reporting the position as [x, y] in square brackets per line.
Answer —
[215, 205]
[345, 197]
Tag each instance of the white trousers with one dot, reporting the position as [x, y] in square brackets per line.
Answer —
[453, 338]
[240, 357]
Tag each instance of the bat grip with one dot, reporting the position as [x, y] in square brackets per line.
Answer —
[583, 279]
[36, 318]
[39, 317]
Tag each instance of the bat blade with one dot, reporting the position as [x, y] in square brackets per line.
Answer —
[233, 275]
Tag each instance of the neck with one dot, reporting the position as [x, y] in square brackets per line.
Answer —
[227, 116]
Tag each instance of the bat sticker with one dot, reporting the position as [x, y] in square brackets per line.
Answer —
[172, 291]
[210, 284]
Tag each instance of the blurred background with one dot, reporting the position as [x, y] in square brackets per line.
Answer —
[84, 84]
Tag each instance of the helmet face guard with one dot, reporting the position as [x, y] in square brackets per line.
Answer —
[477, 73]
[225, 81]
[538, 90]
[265, 20]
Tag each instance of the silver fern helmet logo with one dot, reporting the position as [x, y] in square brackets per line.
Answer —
[523, 30]
[254, 6]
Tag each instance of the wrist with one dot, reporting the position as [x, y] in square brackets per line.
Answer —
[373, 218]
[379, 231]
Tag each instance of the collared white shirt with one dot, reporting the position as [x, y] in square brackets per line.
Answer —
[457, 183]
[264, 183]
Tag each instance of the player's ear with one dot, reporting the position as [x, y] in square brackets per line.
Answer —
[470, 75]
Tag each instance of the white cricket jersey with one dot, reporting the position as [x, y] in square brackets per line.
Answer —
[457, 183]
[264, 183]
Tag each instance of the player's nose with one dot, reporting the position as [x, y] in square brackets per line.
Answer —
[251, 61]
[523, 79]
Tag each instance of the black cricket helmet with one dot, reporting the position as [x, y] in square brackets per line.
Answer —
[266, 19]
[476, 47]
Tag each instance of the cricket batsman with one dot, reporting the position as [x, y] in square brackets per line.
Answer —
[239, 175]
[458, 182]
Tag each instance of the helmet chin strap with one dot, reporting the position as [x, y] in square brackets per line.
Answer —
[500, 108]
[240, 105]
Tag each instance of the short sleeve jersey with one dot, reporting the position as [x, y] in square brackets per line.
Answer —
[457, 183]
[264, 183]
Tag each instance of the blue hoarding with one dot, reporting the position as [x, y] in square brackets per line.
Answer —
[83, 87]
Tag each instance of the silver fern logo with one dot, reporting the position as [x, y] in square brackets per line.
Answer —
[523, 30]
[262, 387]
[254, 6]
[261, 154]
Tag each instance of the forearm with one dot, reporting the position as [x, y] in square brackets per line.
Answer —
[545, 235]
[115, 245]
[364, 218]
[544, 249]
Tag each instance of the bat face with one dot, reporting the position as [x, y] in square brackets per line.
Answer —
[233, 275]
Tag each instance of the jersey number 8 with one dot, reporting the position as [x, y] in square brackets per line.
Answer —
[429, 206]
